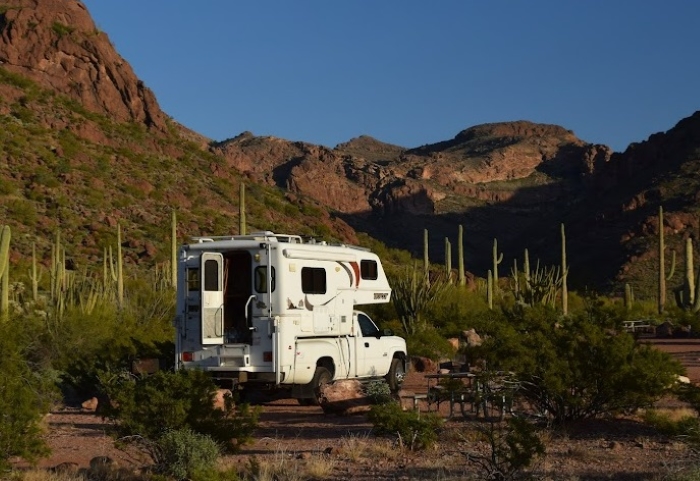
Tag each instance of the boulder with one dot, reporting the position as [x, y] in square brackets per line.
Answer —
[90, 405]
[423, 364]
[344, 397]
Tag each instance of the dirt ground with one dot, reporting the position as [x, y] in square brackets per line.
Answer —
[289, 433]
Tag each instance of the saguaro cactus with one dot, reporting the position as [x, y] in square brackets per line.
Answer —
[629, 296]
[662, 264]
[241, 210]
[688, 294]
[564, 275]
[526, 268]
[426, 259]
[5, 235]
[496, 260]
[120, 272]
[173, 250]
[689, 271]
[460, 257]
[448, 260]
[34, 275]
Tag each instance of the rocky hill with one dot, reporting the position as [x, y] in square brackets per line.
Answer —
[84, 145]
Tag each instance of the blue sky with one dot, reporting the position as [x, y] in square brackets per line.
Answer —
[411, 72]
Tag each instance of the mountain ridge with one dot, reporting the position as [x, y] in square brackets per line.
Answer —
[77, 119]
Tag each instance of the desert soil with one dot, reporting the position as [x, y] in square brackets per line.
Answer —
[289, 433]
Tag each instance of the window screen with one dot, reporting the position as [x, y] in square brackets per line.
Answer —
[313, 280]
[211, 275]
[368, 269]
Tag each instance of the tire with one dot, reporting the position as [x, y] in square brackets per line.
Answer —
[321, 376]
[396, 375]
[305, 401]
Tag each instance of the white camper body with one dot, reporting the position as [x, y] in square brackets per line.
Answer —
[267, 311]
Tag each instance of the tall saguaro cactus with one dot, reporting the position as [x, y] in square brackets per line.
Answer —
[662, 264]
[120, 272]
[460, 257]
[5, 235]
[426, 258]
[496, 260]
[241, 210]
[689, 271]
[564, 275]
[448, 260]
[173, 250]
[688, 294]
[34, 275]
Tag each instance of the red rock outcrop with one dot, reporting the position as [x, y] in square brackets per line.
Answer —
[56, 44]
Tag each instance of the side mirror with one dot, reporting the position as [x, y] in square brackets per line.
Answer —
[388, 332]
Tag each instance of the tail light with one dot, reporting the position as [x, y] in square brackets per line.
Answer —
[267, 356]
[187, 357]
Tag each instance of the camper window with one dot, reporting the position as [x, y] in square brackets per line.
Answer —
[313, 280]
[368, 270]
[193, 280]
[261, 279]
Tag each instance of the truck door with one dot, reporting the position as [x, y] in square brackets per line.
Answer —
[212, 285]
[371, 357]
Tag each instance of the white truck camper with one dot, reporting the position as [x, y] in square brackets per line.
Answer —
[268, 311]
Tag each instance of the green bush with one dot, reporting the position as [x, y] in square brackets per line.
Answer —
[153, 405]
[378, 392]
[24, 399]
[414, 430]
[687, 426]
[512, 447]
[184, 454]
[578, 367]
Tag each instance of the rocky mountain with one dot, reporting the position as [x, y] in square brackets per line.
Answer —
[84, 145]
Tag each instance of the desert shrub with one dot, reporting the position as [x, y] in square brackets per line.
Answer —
[152, 405]
[414, 430]
[378, 392]
[185, 454]
[688, 427]
[578, 367]
[512, 447]
[24, 399]
[456, 311]
[428, 342]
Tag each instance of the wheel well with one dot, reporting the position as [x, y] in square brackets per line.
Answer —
[327, 362]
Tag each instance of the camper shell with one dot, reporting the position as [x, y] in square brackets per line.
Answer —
[266, 311]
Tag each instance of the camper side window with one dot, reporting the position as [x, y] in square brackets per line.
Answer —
[368, 270]
[193, 280]
[313, 280]
[261, 279]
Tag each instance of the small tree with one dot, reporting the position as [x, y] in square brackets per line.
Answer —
[578, 367]
[165, 401]
[24, 398]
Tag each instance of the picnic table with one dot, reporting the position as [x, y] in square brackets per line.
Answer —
[491, 393]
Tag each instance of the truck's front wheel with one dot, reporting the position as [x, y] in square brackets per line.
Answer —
[395, 375]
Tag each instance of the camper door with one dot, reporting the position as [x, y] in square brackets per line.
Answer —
[212, 285]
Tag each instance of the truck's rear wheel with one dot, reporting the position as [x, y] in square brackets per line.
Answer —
[321, 376]
[395, 375]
